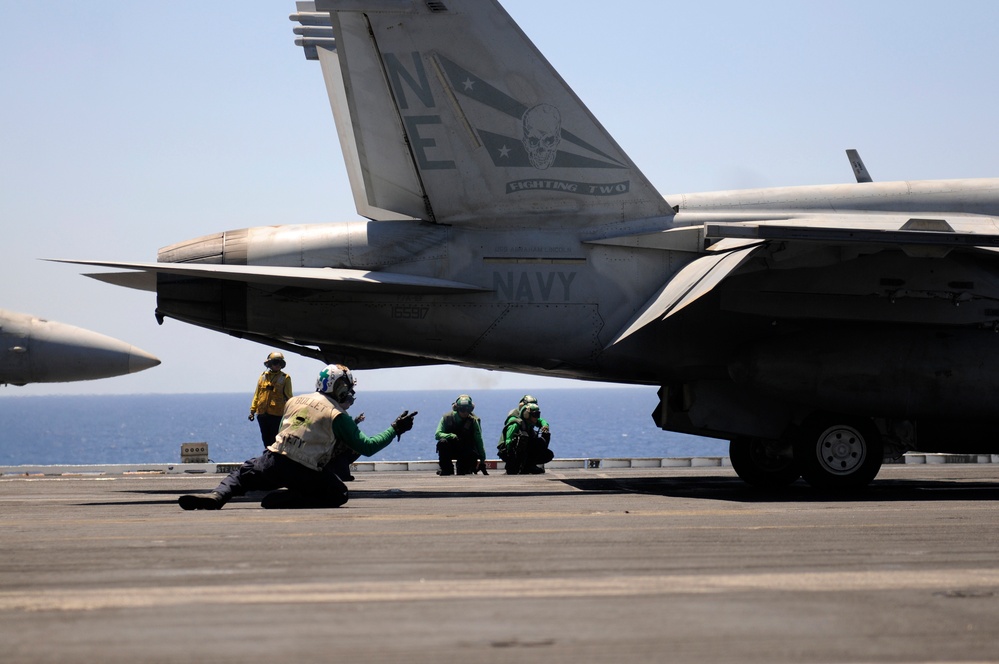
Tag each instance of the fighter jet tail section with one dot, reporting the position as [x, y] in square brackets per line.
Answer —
[448, 113]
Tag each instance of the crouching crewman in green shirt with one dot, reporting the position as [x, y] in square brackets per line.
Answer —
[315, 428]
[524, 444]
[459, 437]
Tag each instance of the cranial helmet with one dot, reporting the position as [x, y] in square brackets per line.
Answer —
[530, 409]
[463, 404]
[336, 381]
[275, 357]
[527, 398]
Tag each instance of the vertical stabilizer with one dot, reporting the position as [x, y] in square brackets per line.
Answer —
[859, 170]
[450, 114]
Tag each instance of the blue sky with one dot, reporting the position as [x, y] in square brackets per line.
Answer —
[127, 126]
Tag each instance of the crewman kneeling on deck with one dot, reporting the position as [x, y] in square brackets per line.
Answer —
[514, 415]
[315, 429]
[459, 437]
[524, 445]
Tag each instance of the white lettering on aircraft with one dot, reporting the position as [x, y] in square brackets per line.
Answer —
[609, 189]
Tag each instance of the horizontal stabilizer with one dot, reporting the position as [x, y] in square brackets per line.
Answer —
[319, 278]
[696, 279]
[144, 281]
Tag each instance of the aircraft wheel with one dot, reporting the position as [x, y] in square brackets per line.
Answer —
[762, 463]
[838, 452]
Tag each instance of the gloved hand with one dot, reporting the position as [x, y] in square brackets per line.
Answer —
[403, 423]
[250, 417]
[359, 419]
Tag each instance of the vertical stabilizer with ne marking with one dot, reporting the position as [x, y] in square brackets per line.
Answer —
[447, 112]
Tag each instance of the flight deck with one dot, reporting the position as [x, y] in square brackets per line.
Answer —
[579, 564]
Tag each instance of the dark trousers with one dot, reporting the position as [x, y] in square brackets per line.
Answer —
[270, 471]
[341, 465]
[525, 452]
[461, 452]
[269, 426]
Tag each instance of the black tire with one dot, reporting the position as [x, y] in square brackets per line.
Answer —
[761, 463]
[838, 452]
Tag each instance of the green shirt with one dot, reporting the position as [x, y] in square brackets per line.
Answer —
[347, 432]
[452, 426]
[512, 425]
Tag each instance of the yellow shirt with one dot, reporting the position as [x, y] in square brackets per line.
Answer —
[273, 392]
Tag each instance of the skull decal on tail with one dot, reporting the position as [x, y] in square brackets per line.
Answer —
[542, 133]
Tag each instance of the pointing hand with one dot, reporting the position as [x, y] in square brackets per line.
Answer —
[403, 423]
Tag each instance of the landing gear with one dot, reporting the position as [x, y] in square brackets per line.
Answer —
[838, 452]
[762, 463]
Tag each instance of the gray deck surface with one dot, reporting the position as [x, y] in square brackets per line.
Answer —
[665, 565]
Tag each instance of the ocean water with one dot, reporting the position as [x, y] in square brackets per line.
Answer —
[149, 428]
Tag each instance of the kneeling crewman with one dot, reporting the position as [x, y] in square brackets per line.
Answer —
[314, 429]
[459, 437]
[524, 445]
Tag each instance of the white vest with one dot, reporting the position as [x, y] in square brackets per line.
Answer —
[306, 433]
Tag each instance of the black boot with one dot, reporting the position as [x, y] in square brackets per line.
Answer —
[212, 501]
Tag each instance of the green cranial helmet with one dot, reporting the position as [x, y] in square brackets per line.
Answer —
[527, 398]
[463, 404]
[530, 410]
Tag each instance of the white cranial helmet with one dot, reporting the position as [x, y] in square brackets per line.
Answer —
[336, 381]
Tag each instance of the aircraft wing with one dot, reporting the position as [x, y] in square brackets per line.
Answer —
[696, 279]
[727, 240]
[320, 278]
[698, 232]
[945, 230]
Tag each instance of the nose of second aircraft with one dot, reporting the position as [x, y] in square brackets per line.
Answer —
[140, 360]
[53, 352]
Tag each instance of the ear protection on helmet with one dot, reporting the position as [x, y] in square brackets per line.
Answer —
[336, 381]
[463, 404]
[530, 409]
